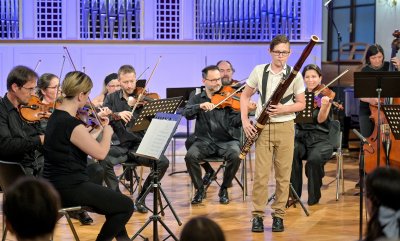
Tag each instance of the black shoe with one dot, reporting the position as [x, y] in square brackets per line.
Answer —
[223, 196]
[198, 197]
[139, 207]
[277, 224]
[207, 178]
[312, 201]
[258, 225]
[82, 216]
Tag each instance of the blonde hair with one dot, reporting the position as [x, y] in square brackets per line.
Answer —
[74, 83]
[126, 69]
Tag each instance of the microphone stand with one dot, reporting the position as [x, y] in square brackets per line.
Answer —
[361, 173]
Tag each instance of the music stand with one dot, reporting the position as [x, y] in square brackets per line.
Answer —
[150, 109]
[305, 116]
[153, 145]
[392, 113]
[374, 85]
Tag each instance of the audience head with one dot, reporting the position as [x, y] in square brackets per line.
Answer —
[375, 56]
[31, 209]
[202, 228]
[127, 79]
[226, 69]
[47, 87]
[211, 78]
[383, 205]
[21, 84]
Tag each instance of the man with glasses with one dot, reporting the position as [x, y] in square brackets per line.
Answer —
[217, 133]
[275, 143]
[125, 141]
[19, 139]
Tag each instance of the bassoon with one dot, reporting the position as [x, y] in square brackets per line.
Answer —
[276, 96]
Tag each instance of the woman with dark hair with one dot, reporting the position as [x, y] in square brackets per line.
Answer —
[383, 205]
[374, 61]
[312, 141]
[200, 229]
[47, 87]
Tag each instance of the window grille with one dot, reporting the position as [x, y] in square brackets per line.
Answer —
[167, 19]
[48, 19]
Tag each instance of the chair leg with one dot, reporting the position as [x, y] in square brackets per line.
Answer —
[214, 176]
[71, 225]
[140, 180]
[4, 234]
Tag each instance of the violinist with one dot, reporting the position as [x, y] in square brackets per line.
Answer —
[127, 141]
[312, 141]
[47, 87]
[111, 84]
[67, 145]
[18, 139]
[217, 133]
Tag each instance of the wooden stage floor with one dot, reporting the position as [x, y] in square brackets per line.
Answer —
[329, 220]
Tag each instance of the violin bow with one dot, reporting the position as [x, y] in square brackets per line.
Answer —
[58, 85]
[37, 65]
[327, 85]
[145, 86]
[229, 96]
[90, 102]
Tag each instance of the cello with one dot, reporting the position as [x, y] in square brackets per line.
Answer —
[389, 154]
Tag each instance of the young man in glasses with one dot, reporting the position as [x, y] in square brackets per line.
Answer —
[275, 143]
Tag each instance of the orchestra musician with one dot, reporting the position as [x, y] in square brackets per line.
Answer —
[18, 139]
[111, 84]
[48, 91]
[127, 141]
[217, 133]
[375, 61]
[275, 143]
[66, 147]
[312, 141]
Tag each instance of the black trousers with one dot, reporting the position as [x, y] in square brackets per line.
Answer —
[117, 207]
[200, 150]
[316, 149]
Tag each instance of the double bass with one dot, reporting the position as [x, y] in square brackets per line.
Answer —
[389, 154]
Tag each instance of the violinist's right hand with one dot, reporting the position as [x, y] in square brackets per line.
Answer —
[104, 111]
[249, 129]
[125, 116]
[207, 106]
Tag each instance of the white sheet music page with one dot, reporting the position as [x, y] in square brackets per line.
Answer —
[156, 138]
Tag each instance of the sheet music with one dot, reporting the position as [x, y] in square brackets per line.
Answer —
[156, 138]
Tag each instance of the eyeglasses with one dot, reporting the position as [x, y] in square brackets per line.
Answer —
[214, 80]
[29, 89]
[283, 53]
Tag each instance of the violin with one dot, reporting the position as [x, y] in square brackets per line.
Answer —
[227, 96]
[146, 96]
[320, 91]
[35, 110]
[89, 117]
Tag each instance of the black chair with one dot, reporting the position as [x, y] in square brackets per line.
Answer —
[10, 172]
[129, 170]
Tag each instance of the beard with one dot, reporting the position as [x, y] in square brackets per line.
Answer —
[226, 81]
[214, 89]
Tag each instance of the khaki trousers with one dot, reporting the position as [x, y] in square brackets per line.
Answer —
[275, 145]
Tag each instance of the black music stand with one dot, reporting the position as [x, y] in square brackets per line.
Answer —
[153, 145]
[149, 110]
[374, 85]
[392, 113]
[305, 116]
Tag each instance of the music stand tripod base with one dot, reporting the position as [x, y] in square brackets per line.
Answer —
[295, 199]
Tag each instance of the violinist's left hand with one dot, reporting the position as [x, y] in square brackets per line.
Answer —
[278, 109]
[325, 100]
